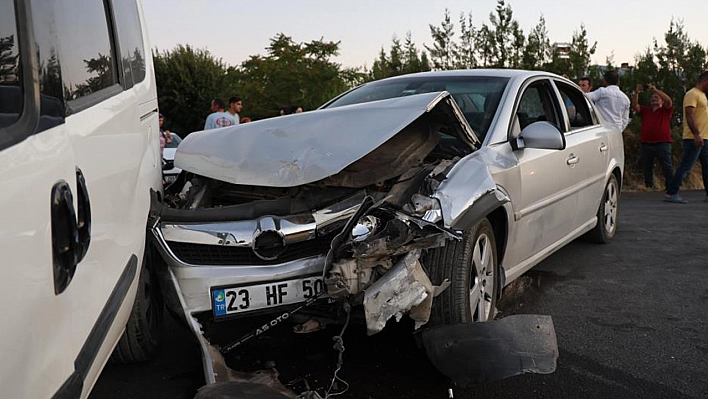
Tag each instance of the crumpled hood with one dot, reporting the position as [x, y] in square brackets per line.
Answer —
[297, 149]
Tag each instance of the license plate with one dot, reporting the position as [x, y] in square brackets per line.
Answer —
[227, 301]
[170, 178]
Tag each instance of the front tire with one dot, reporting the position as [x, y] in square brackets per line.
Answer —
[471, 265]
[141, 337]
[607, 212]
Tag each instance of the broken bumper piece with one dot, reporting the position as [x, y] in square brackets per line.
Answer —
[404, 288]
[473, 353]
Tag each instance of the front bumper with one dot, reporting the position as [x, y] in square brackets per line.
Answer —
[195, 281]
[201, 255]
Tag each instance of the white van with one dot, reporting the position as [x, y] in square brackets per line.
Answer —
[79, 155]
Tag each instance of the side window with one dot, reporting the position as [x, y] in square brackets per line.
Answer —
[11, 94]
[579, 114]
[85, 52]
[536, 104]
[130, 41]
[52, 105]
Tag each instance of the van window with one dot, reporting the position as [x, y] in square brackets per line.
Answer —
[11, 96]
[52, 106]
[130, 41]
[85, 51]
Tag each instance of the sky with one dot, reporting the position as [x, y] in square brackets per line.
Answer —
[235, 29]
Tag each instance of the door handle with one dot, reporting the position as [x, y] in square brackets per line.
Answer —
[65, 236]
[603, 147]
[572, 160]
[83, 216]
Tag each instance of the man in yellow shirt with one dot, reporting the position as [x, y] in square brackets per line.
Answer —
[695, 138]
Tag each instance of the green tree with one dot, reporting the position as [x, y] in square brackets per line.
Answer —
[443, 53]
[187, 80]
[402, 58]
[517, 48]
[537, 52]
[467, 48]
[380, 69]
[580, 53]
[414, 60]
[506, 32]
[486, 46]
[292, 74]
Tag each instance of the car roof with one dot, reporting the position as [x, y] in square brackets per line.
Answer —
[501, 73]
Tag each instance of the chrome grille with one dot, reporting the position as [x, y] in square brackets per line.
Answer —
[222, 255]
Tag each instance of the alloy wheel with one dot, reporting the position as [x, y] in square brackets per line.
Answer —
[482, 279]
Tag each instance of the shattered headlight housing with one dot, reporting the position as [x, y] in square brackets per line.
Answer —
[365, 228]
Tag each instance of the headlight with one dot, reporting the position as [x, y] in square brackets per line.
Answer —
[365, 227]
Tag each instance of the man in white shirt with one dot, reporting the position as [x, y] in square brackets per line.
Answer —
[611, 102]
[235, 106]
[218, 118]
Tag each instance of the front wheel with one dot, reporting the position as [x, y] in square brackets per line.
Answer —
[606, 226]
[472, 268]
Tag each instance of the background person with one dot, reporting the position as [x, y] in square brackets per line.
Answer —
[655, 133]
[611, 102]
[286, 110]
[165, 136]
[695, 138]
[218, 118]
[585, 84]
[235, 106]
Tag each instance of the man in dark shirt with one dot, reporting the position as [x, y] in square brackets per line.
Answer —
[656, 133]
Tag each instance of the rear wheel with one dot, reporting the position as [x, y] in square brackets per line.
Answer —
[141, 337]
[606, 226]
[471, 266]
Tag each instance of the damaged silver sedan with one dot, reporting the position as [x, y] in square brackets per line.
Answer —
[418, 196]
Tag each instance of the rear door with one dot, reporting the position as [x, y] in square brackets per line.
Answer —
[588, 141]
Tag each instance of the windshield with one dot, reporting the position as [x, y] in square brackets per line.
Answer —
[478, 97]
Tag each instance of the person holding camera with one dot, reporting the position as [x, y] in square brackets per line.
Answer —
[655, 133]
[610, 102]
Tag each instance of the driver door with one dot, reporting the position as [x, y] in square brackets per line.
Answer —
[544, 207]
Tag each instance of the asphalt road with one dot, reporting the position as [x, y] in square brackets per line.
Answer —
[631, 319]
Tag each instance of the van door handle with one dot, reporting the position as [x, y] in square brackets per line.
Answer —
[83, 216]
[65, 236]
[572, 160]
[603, 147]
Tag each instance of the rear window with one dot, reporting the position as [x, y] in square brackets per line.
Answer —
[86, 53]
[478, 97]
[130, 41]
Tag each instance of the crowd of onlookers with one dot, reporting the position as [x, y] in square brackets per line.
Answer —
[613, 105]
[220, 116]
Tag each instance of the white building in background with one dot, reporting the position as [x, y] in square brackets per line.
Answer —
[563, 49]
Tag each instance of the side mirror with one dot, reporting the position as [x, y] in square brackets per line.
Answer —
[542, 135]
